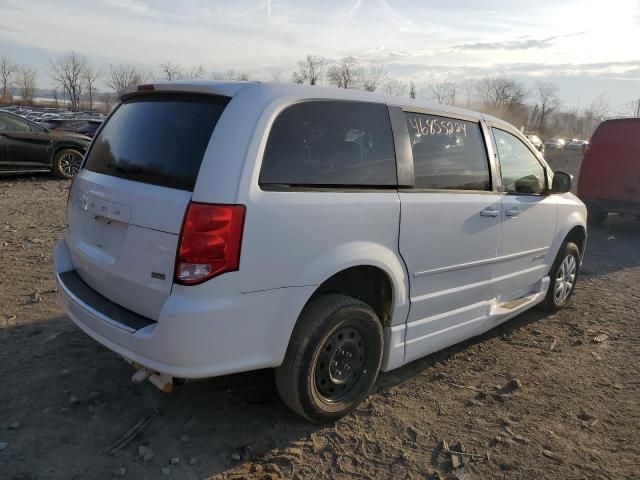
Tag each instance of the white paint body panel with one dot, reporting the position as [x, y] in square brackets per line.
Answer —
[450, 268]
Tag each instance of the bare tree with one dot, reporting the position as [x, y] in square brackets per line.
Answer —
[395, 87]
[194, 73]
[372, 76]
[107, 99]
[27, 82]
[468, 86]
[310, 70]
[231, 75]
[7, 71]
[171, 71]
[276, 75]
[501, 91]
[504, 98]
[67, 71]
[546, 94]
[89, 78]
[412, 89]
[345, 74]
[634, 109]
[122, 76]
[594, 114]
[443, 92]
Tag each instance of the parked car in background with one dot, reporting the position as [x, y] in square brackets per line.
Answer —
[577, 144]
[26, 147]
[610, 172]
[536, 142]
[220, 227]
[82, 126]
[62, 124]
[555, 144]
[90, 128]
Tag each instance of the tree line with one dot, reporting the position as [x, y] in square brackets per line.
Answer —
[536, 109]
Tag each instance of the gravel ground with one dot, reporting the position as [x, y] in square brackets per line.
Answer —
[534, 398]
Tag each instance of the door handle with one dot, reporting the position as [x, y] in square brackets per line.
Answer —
[488, 212]
[512, 212]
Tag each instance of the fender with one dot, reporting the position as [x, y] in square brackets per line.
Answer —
[571, 213]
[362, 253]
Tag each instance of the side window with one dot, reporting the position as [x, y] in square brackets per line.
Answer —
[521, 170]
[447, 153]
[11, 124]
[330, 143]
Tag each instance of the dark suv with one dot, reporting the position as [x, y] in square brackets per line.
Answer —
[26, 147]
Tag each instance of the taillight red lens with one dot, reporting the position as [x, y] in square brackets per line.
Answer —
[209, 243]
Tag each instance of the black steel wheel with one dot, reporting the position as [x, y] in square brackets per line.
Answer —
[333, 358]
[340, 363]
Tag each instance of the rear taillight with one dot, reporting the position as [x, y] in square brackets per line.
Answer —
[209, 243]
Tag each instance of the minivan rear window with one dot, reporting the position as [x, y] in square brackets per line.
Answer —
[157, 138]
[327, 143]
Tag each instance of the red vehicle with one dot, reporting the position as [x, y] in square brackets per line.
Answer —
[610, 173]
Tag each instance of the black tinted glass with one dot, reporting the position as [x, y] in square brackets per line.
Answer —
[448, 153]
[330, 143]
[157, 138]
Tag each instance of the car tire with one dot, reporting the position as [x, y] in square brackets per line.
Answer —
[67, 163]
[564, 275]
[333, 358]
[596, 215]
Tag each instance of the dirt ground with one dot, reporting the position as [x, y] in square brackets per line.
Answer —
[535, 398]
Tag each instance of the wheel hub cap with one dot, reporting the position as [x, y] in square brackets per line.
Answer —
[340, 364]
[565, 279]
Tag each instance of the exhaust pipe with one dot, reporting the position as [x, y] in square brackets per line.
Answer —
[162, 381]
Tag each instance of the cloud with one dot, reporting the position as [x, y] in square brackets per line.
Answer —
[132, 6]
[520, 44]
[8, 5]
[401, 22]
[437, 72]
[7, 28]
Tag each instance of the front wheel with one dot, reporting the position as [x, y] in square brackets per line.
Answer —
[564, 274]
[333, 358]
[67, 163]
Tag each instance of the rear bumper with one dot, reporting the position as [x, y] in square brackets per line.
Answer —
[202, 331]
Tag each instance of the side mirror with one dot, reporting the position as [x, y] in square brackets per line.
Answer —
[561, 182]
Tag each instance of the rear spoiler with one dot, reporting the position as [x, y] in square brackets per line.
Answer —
[222, 88]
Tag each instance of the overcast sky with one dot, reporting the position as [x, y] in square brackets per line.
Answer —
[587, 47]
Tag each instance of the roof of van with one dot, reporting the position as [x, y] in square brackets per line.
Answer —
[230, 88]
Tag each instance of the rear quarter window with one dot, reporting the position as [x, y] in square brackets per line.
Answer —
[330, 144]
[157, 138]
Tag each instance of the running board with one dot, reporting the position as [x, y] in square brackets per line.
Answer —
[515, 303]
[503, 311]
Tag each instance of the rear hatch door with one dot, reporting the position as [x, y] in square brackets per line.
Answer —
[127, 204]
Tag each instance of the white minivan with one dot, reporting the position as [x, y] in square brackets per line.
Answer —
[220, 227]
